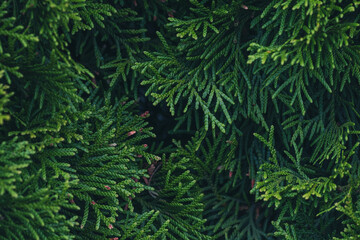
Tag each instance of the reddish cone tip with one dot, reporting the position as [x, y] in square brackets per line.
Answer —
[151, 169]
[146, 180]
[131, 133]
[145, 114]
[135, 179]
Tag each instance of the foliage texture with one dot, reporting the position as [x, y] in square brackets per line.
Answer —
[261, 99]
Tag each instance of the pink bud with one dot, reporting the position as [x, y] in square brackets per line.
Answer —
[93, 202]
[230, 174]
[151, 169]
[139, 155]
[146, 180]
[145, 145]
[110, 226]
[131, 133]
[252, 183]
[72, 201]
[144, 114]
[135, 179]
[244, 7]
[107, 187]
[135, 3]
[140, 130]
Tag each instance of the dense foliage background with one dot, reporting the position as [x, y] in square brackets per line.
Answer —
[169, 119]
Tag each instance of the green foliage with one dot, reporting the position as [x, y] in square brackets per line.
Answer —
[319, 41]
[199, 70]
[265, 98]
[74, 163]
[176, 197]
[290, 182]
[229, 210]
[305, 85]
[5, 97]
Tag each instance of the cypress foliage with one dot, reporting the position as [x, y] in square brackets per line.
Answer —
[74, 156]
[263, 98]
